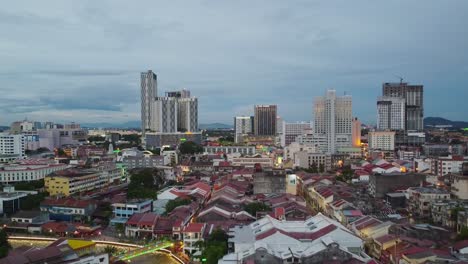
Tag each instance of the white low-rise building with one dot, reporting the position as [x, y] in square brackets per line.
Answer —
[243, 150]
[265, 162]
[11, 147]
[318, 238]
[29, 170]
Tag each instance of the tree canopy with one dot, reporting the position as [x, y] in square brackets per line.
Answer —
[144, 184]
[4, 245]
[190, 147]
[215, 247]
[253, 208]
[172, 204]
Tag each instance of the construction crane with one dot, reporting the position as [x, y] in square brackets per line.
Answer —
[399, 77]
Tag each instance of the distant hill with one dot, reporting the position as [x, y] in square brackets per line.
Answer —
[126, 125]
[439, 121]
[3, 128]
[214, 126]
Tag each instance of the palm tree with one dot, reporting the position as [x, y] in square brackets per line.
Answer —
[111, 250]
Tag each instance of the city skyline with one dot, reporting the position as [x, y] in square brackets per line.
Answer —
[82, 64]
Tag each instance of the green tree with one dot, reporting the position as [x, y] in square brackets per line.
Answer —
[253, 208]
[120, 228]
[134, 139]
[347, 173]
[61, 153]
[454, 213]
[111, 250]
[42, 150]
[321, 168]
[463, 235]
[29, 186]
[144, 183]
[96, 138]
[4, 245]
[33, 201]
[190, 147]
[314, 168]
[172, 204]
[215, 247]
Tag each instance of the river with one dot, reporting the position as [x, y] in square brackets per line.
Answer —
[154, 258]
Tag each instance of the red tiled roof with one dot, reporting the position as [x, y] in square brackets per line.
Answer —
[385, 238]
[163, 226]
[361, 172]
[194, 228]
[279, 212]
[325, 193]
[338, 203]
[386, 166]
[369, 223]
[460, 244]
[67, 202]
[298, 235]
[148, 219]
[177, 223]
[224, 164]
[413, 250]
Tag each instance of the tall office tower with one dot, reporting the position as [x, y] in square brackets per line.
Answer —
[149, 91]
[164, 115]
[333, 117]
[356, 133]
[290, 131]
[414, 102]
[390, 113]
[265, 120]
[243, 125]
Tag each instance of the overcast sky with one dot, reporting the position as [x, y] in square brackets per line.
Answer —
[80, 60]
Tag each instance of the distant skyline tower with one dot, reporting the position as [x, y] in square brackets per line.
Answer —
[187, 114]
[265, 120]
[414, 102]
[164, 115]
[187, 110]
[149, 91]
[390, 113]
[243, 125]
[333, 118]
[356, 133]
[291, 130]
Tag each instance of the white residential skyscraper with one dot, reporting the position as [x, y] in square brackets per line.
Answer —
[333, 117]
[187, 114]
[164, 116]
[243, 125]
[390, 113]
[149, 91]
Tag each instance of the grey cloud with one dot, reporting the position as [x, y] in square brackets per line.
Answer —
[86, 56]
[85, 72]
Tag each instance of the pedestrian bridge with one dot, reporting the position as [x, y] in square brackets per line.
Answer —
[147, 249]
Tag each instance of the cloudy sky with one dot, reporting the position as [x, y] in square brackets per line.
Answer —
[80, 60]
